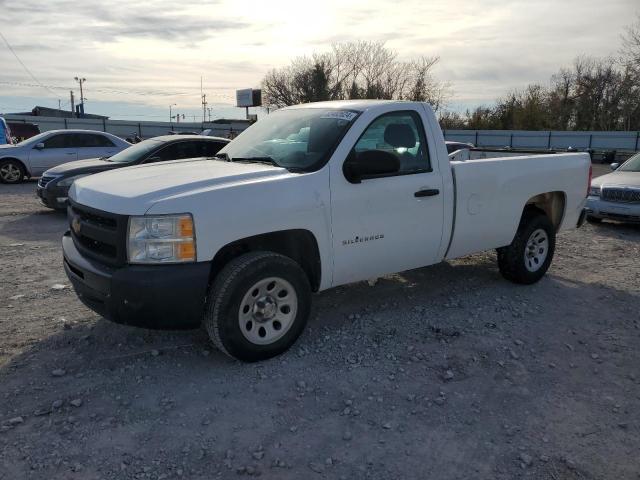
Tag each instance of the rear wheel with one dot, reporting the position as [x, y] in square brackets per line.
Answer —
[11, 171]
[258, 306]
[529, 256]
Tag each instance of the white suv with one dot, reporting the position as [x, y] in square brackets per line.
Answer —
[49, 149]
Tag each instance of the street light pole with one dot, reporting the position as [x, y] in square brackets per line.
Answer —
[170, 106]
[81, 80]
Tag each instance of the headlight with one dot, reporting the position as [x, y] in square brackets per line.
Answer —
[162, 239]
[594, 191]
[66, 182]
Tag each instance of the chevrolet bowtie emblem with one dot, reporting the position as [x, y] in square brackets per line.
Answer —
[75, 225]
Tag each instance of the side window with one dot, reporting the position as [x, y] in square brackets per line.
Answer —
[90, 140]
[210, 149]
[401, 134]
[175, 151]
[57, 141]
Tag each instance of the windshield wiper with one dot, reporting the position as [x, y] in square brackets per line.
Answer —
[267, 160]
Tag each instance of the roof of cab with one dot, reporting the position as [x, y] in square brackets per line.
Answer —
[360, 105]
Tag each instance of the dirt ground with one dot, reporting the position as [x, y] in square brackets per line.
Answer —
[447, 372]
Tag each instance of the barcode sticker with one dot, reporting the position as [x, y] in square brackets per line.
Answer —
[340, 115]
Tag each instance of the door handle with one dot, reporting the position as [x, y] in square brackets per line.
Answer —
[428, 192]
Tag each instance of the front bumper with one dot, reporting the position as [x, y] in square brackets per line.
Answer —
[623, 212]
[155, 296]
[53, 197]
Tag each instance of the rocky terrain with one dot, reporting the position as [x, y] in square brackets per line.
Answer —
[448, 372]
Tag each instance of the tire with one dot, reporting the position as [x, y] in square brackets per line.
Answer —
[524, 261]
[591, 219]
[239, 333]
[11, 172]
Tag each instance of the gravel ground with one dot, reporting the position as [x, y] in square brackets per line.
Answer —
[447, 372]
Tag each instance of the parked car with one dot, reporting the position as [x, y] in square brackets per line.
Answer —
[616, 196]
[53, 186]
[310, 197]
[455, 146]
[5, 133]
[32, 157]
[23, 130]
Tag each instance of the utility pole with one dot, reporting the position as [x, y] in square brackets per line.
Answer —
[209, 110]
[204, 103]
[204, 107]
[73, 106]
[170, 116]
[59, 104]
[81, 80]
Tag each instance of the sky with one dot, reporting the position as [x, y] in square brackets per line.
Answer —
[140, 57]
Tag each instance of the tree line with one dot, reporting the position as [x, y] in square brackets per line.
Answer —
[591, 94]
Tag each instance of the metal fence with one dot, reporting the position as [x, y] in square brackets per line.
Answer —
[522, 139]
[127, 128]
[518, 139]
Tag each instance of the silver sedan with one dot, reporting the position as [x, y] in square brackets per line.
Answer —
[616, 196]
[49, 149]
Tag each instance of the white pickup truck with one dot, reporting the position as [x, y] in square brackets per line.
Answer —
[310, 197]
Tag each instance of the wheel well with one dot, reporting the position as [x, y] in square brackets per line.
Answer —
[24, 167]
[552, 204]
[299, 245]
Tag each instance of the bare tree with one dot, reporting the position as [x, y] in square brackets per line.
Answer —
[354, 70]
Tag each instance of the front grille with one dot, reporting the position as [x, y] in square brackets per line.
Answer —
[44, 180]
[97, 234]
[620, 194]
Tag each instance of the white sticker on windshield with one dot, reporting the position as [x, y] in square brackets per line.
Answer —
[341, 115]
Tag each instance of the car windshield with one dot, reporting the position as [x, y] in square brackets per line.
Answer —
[631, 165]
[135, 152]
[35, 138]
[300, 139]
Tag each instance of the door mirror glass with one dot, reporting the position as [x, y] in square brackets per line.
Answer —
[370, 164]
[614, 166]
[39, 146]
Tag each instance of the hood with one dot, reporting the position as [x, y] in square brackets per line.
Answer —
[91, 165]
[629, 179]
[134, 190]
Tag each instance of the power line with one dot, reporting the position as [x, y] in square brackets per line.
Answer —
[24, 66]
[151, 93]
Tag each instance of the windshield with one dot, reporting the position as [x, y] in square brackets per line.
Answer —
[135, 152]
[35, 139]
[631, 165]
[296, 139]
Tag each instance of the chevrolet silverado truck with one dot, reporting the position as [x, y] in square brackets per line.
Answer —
[308, 198]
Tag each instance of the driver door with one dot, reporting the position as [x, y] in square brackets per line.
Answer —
[392, 222]
[58, 149]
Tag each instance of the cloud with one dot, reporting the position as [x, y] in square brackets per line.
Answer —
[148, 52]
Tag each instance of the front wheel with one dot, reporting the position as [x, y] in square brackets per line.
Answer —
[529, 256]
[11, 171]
[258, 306]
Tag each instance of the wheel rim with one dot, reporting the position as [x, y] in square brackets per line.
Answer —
[536, 251]
[268, 310]
[10, 172]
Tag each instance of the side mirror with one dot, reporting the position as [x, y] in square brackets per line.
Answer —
[614, 166]
[39, 146]
[369, 164]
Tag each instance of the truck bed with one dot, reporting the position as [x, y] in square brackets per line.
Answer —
[490, 195]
